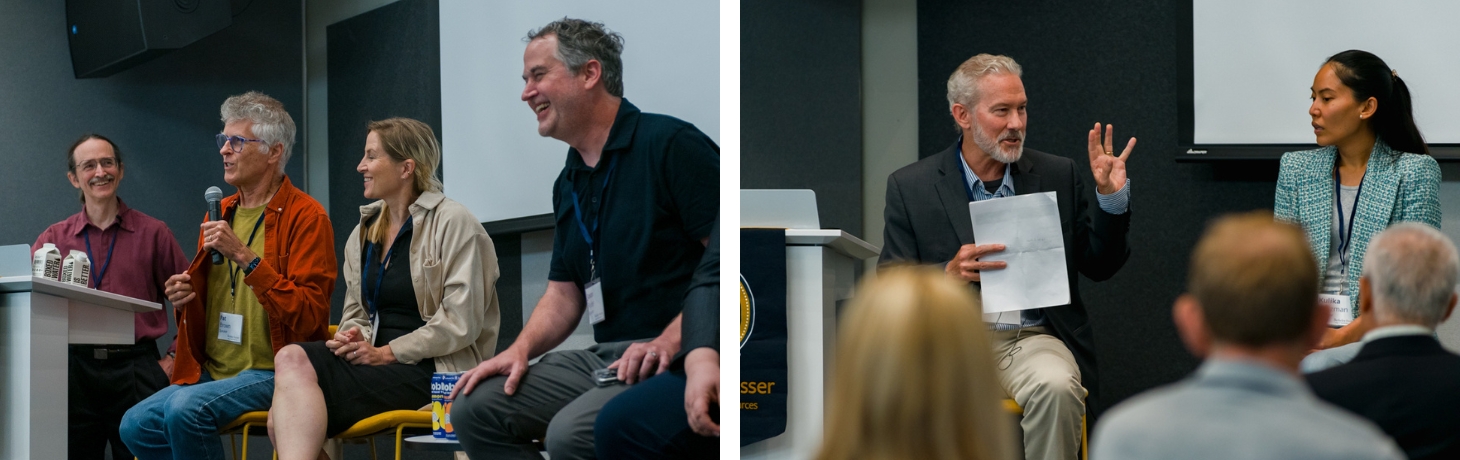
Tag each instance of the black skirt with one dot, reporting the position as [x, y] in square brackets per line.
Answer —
[353, 393]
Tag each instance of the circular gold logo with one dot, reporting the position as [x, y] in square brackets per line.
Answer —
[747, 311]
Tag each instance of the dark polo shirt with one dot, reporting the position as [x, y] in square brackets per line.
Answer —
[661, 199]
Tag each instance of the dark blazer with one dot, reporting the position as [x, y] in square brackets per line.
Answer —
[1409, 386]
[927, 221]
[700, 325]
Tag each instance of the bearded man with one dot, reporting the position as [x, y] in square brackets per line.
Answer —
[1046, 356]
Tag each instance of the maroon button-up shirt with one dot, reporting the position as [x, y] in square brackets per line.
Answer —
[146, 254]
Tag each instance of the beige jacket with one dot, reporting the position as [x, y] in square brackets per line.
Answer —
[454, 272]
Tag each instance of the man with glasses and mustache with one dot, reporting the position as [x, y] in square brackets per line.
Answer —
[131, 254]
[1046, 356]
[272, 288]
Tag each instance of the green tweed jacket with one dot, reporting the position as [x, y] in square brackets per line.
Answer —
[1398, 187]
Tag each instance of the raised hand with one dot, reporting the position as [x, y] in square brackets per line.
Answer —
[1109, 169]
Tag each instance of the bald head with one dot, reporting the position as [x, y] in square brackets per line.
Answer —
[1255, 279]
[1411, 270]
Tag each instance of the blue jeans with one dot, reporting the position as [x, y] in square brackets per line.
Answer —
[182, 421]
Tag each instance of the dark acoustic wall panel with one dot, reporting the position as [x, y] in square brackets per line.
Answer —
[1112, 62]
[382, 63]
[163, 113]
[801, 102]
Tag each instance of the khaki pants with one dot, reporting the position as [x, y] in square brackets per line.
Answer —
[1038, 372]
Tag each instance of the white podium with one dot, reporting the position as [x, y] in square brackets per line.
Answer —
[820, 271]
[38, 318]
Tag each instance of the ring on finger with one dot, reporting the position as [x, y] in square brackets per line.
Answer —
[653, 354]
[1107, 152]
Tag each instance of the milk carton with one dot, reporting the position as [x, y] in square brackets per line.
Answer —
[47, 263]
[76, 269]
[442, 383]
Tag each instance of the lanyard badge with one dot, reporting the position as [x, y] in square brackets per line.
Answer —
[1345, 233]
[371, 297]
[86, 236]
[593, 290]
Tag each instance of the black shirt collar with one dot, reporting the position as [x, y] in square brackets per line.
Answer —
[620, 137]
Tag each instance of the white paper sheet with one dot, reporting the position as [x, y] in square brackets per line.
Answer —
[1029, 228]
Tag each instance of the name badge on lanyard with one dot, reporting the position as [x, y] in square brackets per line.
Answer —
[1341, 307]
[593, 290]
[372, 296]
[230, 327]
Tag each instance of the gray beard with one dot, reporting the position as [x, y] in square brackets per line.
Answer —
[995, 151]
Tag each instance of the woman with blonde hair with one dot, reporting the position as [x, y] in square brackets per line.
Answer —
[420, 297]
[915, 375]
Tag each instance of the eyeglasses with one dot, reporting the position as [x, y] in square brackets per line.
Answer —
[234, 142]
[104, 163]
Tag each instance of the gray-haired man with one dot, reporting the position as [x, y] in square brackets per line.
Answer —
[272, 289]
[1402, 379]
[652, 182]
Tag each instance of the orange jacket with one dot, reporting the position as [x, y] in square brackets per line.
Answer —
[293, 282]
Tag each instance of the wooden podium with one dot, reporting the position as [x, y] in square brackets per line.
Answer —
[38, 319]
[821, 268]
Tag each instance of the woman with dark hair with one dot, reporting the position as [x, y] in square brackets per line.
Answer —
[1372, 170]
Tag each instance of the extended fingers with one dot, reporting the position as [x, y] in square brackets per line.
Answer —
[464, 385]
[1129, 146]
[1109, 137]
[982, 249]
[1094, 140]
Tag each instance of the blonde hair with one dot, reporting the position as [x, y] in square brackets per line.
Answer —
[915, 375]
[405, 139]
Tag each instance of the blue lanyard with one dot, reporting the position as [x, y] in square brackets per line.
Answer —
[233, 274]
[1345, 233]
[372, 298]
[85, 235]
[583, 228]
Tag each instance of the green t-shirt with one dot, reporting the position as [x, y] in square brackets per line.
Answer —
[254, 349]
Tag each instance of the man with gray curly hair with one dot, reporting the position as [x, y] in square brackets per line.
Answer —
[1401, 378]
[262, 279]
[1046, 355]
[652, 181]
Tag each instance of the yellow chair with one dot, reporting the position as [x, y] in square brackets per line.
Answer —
[244, 425]
[1013, 408]
[396, 420]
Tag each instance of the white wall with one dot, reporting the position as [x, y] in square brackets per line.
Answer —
[1255, 59]
[501, 168]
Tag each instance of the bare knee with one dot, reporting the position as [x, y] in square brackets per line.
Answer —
[293, 361]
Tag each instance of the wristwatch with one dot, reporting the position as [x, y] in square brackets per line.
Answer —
[251, 265]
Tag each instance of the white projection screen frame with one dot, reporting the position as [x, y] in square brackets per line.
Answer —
[494, 162]
[1251, 62]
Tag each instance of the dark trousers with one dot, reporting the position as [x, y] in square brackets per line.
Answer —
[648, 422]
[556, 402]
[105, 381]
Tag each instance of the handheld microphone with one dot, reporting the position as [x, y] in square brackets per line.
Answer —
[215, 212]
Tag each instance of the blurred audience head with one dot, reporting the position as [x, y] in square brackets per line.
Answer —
[1252, 283]
[1410, 271]
[915, 374]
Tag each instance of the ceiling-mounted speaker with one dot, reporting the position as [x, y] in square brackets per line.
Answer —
[109, 36]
